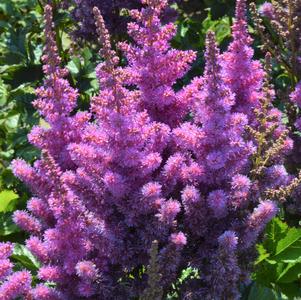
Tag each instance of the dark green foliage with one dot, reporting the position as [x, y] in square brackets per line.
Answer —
[278, 265]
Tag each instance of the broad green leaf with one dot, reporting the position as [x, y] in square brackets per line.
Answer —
[222, 29]
[7, 200]
[267, 273]
[291, 254]
[74, 65]
[290, 274]
[21, 90]
[292, 236]
[275, 231]
[28, 153]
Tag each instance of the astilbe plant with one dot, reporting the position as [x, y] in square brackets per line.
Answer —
[132, 170]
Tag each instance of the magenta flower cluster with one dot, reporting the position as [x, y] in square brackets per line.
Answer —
[146, 163]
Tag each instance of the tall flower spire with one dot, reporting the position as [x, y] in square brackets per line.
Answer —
[242, 74]
[222, 147]
[56, 100]
[154, 66]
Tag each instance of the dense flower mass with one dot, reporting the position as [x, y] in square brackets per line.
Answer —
[148, 163]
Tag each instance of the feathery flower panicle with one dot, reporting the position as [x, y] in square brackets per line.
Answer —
[43, 292]
[56, 100]
[5, 268]
[6, 250]
[62, 97]
[16, 285]
[267, 10]
[240, 187]
[154, 288]
[154, 66]
[243, 75]
[256, 221]
[226, 271]
[86, 270]
[27, 222]
[219, 147]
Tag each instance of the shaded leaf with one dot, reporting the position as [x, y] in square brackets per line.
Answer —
[25, 257]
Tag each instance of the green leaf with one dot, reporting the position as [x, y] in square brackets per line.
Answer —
[7, 226]
[290, 274]
[7, 154]
[291, 254]
[22, 255]
[3, 93]
[12, 122]
[66, 41]
[291, 290]
[259, 292]
[87, 55]
[74, 65]
[263, 254]
[275, 231]
[292, 236]
[7, 200]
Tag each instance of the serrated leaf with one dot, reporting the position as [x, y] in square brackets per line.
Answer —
[275, 231]
[263, 254]
[21, 90]
[292, 236]
[291, 254]
[7, 154]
